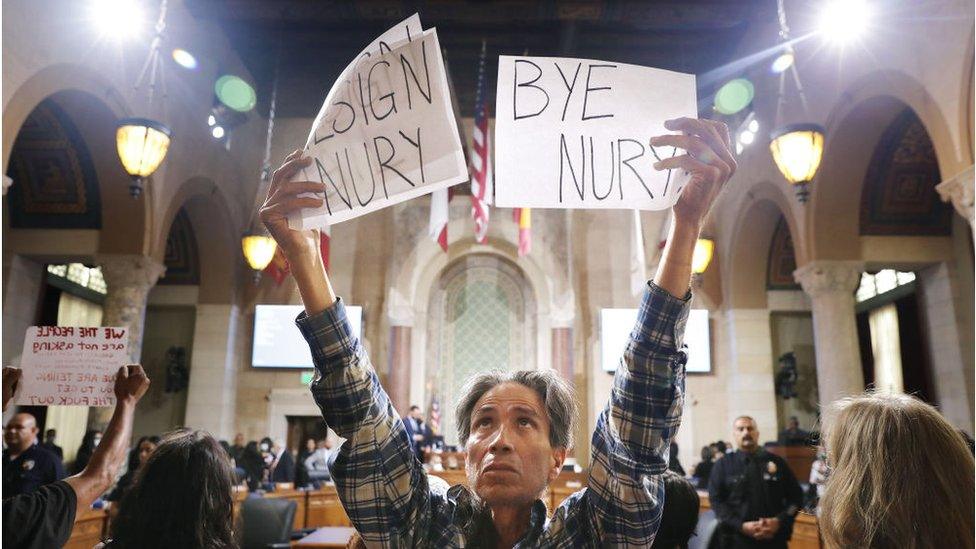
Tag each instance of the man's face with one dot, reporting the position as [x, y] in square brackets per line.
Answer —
[794, 424]
[745, 433]
[509, 459]
[21, 432]
[239, 439]
[416, 414]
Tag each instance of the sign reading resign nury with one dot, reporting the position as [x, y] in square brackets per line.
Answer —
[386, 132]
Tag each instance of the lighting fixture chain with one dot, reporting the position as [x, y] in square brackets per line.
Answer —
[784, 34]
[153, 66]
[266, 163]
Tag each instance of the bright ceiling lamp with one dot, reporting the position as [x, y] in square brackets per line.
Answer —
[797, 150]
[783, 61]
[702, 256]
[842, 22]
[259, 250]
[142, 144]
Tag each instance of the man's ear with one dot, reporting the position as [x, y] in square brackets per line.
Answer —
[558, 458]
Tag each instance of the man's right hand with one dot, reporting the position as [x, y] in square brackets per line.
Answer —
[283, 199]
[130, 384]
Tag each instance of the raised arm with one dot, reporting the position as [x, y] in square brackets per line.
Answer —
[97, 477]
[633, 433]
[381, 485]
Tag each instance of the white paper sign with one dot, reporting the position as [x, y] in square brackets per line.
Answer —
[71, 366]
[387, 132]
[574, 133]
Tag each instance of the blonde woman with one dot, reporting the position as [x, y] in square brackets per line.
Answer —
[900, 476]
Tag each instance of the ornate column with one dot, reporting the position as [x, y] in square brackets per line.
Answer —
[831, 285]
[129, 279]
[959, 190]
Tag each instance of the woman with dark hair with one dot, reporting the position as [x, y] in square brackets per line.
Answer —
[704, 468]
[181, 497]
[253, 464]
[137, 458]
[88, 443]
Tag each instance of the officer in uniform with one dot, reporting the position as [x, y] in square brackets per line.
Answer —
[754, 493]
[27, 466]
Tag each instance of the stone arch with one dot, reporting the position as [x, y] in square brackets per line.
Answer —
[748, 245]
[831, 230]
[94, 107]
[477, 297]
[411, 290]
[216, 238]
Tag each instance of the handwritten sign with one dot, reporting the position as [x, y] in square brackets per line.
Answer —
[574, 133]
[70, 366]
[387, 131]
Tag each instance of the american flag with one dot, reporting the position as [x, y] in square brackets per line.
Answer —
[481, 157]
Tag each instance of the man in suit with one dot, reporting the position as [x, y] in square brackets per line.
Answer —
[283, 466]
[50, 443]
[417, 431]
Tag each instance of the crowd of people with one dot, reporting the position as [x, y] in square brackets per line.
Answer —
[516, 428]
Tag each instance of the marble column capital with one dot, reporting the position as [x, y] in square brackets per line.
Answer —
[829, 277]
[130, 271]
[959, 190]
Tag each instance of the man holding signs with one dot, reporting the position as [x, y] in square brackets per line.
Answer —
[518, 425]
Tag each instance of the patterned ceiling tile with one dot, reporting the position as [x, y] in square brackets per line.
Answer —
[782, 259]
[55, 186]
[182, 261]
[899, 196]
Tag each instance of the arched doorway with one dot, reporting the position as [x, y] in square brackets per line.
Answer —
[481, 317]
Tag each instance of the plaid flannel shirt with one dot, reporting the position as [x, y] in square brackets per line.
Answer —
[393, 502]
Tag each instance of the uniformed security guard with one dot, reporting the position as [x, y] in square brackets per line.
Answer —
[27, 466]
[754, 493]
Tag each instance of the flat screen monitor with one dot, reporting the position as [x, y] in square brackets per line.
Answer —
[277, 341]
[616, 325]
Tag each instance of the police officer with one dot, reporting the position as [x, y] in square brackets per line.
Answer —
[27, 466]
[754, 493]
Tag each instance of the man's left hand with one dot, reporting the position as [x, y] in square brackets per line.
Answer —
[709, 162]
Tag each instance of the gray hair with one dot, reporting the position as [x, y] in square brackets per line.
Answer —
[557, 394]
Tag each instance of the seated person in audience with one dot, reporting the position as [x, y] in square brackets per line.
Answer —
[181, 498]
[237, 450]
[26, 465]
[301, 470]
[88, 444]
[704, 467]
[674, 464]
[900, 476]
[317, 464]
[680, 515]
[282, 468]
[46, 517]
[144, 448]
[253, 464]
[516, 426]
[793, 435]
[50, 444]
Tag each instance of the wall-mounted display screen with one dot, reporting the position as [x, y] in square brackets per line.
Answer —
[277, 341]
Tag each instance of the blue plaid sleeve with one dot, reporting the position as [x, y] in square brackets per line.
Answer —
[633, 434]
[380, 483]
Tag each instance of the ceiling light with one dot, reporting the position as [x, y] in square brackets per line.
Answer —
[217, 132]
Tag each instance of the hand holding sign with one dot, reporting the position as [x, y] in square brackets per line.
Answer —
[574, 133]
[284, 199]
[11, 377]
[708, 162]
[131, 383]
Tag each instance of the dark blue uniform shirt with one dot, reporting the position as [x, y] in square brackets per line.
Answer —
[29, 471]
